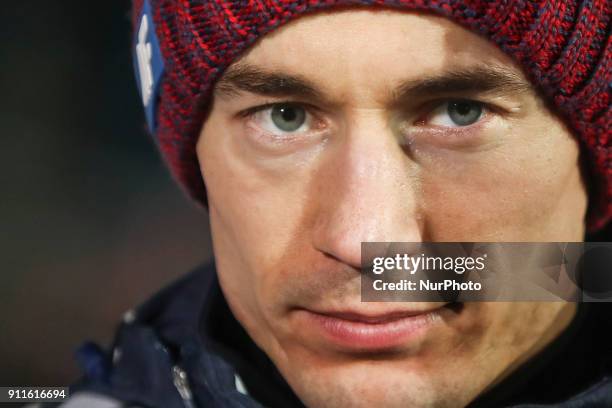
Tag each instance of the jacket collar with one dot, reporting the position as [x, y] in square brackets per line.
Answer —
[160, 358]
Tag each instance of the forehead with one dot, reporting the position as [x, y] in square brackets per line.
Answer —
[373, 47]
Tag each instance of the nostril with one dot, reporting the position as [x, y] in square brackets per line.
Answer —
[344, 249]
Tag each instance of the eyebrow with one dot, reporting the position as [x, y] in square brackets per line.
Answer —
[479, 79]
[244, 77]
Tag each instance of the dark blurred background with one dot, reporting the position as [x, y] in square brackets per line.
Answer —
[90, 222]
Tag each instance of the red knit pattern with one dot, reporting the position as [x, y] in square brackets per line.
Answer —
[563, 47]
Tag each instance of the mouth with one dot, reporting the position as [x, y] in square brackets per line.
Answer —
[356, 331]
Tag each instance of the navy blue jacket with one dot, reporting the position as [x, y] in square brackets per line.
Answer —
[183, 348]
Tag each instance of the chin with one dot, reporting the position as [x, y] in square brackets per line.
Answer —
[374, 381]
[419, 374]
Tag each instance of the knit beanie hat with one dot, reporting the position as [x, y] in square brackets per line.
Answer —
[181, 47]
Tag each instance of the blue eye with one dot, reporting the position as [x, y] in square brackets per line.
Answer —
[458, 113]
[283, 119]
[288, 118]
[464, 113]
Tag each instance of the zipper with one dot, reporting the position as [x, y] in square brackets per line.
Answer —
[182, 386]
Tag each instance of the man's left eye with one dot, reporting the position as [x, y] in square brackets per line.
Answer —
[457, 113]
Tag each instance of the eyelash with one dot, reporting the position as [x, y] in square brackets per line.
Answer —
[426, 111]
[251, 111]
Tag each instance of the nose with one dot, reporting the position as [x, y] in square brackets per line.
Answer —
[367, 192]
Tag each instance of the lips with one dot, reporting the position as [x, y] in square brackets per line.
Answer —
[373, 319]
[364, 332]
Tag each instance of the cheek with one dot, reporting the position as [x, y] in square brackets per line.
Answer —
[248, 204]
[516, 191]
[256, 215]
[511, 338]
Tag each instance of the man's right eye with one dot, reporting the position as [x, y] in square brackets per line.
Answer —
[282, 119]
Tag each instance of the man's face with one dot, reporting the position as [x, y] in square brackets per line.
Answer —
[372, 125]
